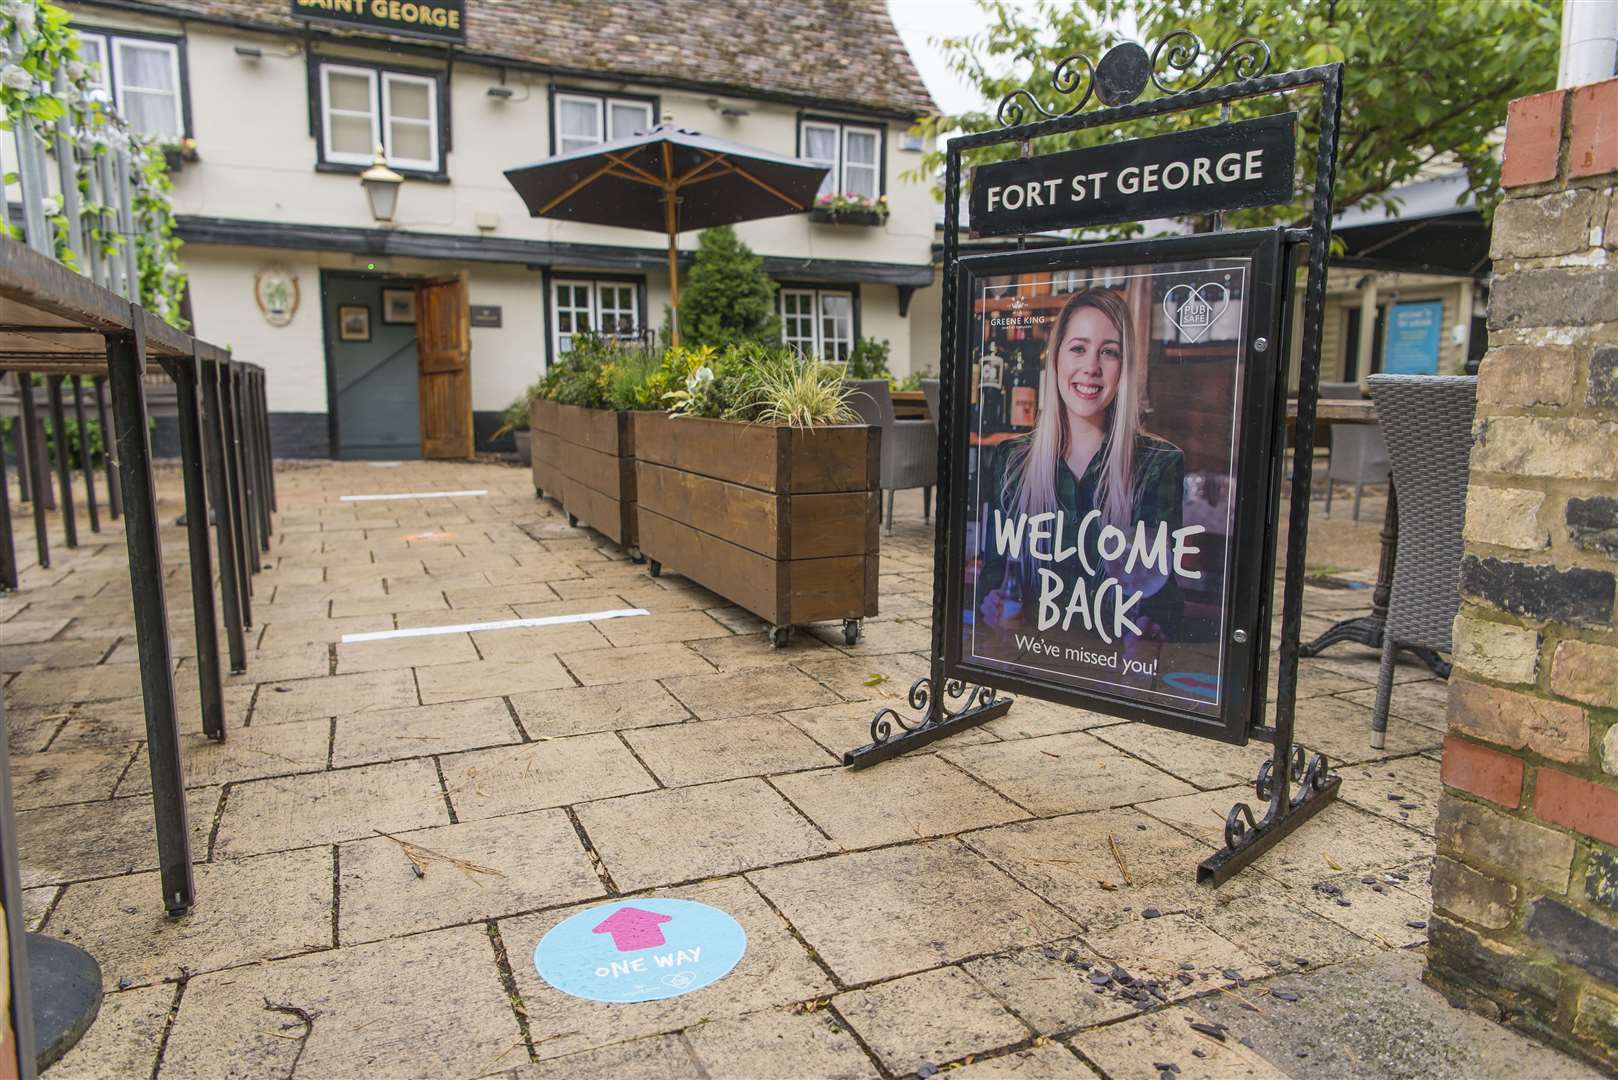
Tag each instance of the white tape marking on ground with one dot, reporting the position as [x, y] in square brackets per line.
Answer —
[504, 624]
[412, 495]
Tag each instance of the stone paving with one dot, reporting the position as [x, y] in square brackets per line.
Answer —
[1018, 900]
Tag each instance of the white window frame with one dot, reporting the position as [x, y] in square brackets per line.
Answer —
[172, 48]
[104, 83]
[386, 119]
[378, 81]
[834, 170]
[837, 177]
[343, 157]
[598, 104]
[875, 166]
[830, 349]
[591, 311]
[602, 104]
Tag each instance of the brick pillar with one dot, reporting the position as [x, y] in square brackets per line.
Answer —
[1525, 888]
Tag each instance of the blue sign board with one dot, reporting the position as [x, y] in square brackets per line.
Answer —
[640, 950]
[1410, 342]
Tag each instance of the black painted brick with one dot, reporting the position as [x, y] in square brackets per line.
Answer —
[1460, 955]
[1601, 879]
[1586, 943]
[1593, 523]
[1554, 297]
[1575, 596]
[1603, 391]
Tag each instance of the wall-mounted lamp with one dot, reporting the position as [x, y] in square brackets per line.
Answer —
[381, 186]
[249, 52]
[500, 93]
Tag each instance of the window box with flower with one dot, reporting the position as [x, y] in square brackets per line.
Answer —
[847, 208]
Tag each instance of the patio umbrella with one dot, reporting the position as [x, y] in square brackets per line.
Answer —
[667, 180]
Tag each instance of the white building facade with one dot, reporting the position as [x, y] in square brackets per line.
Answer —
[290, 269]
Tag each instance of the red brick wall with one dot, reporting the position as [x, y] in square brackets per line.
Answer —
[1525, 889]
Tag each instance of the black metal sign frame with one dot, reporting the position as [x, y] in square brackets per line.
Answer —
[1244, 585]
[1291, 786]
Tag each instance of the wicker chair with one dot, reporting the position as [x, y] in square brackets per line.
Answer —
[929, 390]
[1428, 423]
[909, 447]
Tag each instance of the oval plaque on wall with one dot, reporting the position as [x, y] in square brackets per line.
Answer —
[275, 288]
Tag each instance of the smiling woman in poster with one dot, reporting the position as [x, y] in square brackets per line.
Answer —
[1088, 464]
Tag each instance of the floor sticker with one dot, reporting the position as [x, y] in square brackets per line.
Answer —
[412, 495]
[640, 950]
[503, 624]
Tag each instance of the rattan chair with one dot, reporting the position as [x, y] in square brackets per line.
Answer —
[909, 447]
[1428, 423]
[929, 390]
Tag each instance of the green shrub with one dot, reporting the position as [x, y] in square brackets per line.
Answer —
[727, 299]
[756, 384]
[868, 359]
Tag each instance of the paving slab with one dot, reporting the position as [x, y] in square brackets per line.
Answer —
[538, 775]
[578, 710]
[884, 679]
[525, 643]
[781, 1043]
[662, 1056]
[715, 697]
[703, 751]
[514, 864]
[674, 626]
[335, 695]
[683, 834]
[925, 1019]
[30, 730]
[375, 1009]
[1060, 774]
[246, 910]
[1200, 762]
[58, 777]
[1049, 986]
[102, 723]
[36, 655]
[1132, 1050]
[323, 808]
[125, 1038]
[392, 734]
[1403, 790]
[484, 678]
[246, 754]
[776, 970]
[908, 798]
[1048, 1061]
[860, 911]
[115, 836]
[100, 682]
[1070, 861]
[1280, 928]
[750, 652]
[593, 667]
[408, 652]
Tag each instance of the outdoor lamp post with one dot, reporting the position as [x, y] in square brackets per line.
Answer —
[381, 186]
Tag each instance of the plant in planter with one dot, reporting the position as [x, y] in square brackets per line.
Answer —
[760, 485]
[589, 433]
[847, 208]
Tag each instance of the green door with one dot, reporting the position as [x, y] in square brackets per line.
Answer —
[372, 367]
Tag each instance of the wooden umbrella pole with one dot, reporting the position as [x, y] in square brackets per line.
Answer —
[671, 194]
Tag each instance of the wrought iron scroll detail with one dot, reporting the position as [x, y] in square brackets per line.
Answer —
[1177, 53]
[1307, 774]
[1071, 74]
[1125, 70]
[958, 699]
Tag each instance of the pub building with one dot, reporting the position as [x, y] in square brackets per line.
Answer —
[275, 110]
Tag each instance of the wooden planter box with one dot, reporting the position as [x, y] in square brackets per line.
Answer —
[782, 522]
[546, 448]
[597, 448]
[825, 215]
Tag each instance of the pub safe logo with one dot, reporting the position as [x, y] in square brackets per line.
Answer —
[441, 19]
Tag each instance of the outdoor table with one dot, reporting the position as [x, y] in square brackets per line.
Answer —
[1364, 629]
[58, 323]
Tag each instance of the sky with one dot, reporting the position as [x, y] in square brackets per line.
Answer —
[920, 21]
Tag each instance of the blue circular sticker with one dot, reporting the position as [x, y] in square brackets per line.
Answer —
[640, 950]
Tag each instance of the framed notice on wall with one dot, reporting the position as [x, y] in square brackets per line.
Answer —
[1116, 442]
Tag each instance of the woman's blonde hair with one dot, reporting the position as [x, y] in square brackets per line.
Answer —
[1031, 475]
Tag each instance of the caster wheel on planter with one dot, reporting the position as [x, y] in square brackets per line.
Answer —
[635, 556]
[654, 568]
[573, 521]
[779, 636]
[539, 493]
[851, 631]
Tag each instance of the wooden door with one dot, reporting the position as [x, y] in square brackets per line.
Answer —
[444, 366]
